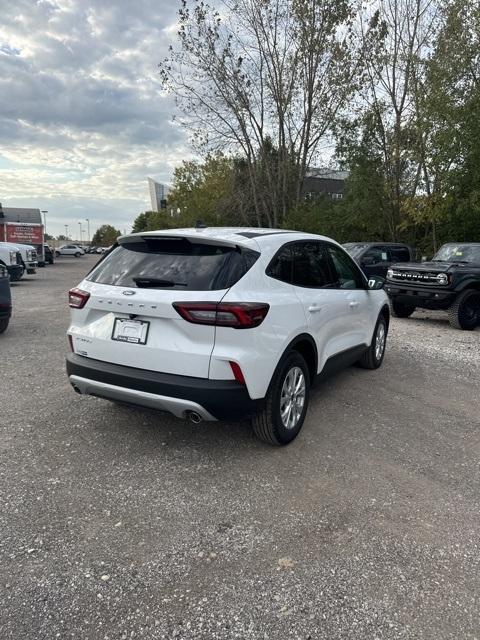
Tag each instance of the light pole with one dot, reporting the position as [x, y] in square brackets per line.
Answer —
[66, 231]
[80, 225]
[88, 229]
[44, 222]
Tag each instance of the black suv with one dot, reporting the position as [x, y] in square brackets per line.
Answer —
[375, 258]
[48, 253]
[450, 281]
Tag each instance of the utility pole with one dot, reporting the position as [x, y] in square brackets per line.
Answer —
[88, 229]
[44, 222]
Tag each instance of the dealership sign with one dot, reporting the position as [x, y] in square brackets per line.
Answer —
[22, 232]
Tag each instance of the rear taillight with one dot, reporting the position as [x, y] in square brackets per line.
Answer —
[238, 315]
[77, 298]
[70, 342]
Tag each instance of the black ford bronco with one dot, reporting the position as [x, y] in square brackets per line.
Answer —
[449, 282]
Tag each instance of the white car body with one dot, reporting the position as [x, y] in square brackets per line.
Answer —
[333, 320]
[69, 250]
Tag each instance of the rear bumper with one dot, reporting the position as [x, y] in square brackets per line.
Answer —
[212, 399]
[425, 298]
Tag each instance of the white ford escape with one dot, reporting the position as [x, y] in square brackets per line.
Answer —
[220, 323]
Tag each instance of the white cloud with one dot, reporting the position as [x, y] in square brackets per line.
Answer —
[83, 120]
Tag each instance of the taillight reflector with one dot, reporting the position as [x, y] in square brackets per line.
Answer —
[70, 342]
[237, 372]
[77, 298]
[238, 315]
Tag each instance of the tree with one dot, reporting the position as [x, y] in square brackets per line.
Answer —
[105, 235]
[265, 82]
[204, 190]
[392, 110]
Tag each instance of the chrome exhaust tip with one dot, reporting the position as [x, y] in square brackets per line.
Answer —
[194, 417]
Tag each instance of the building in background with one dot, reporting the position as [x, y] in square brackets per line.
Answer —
[158, 194]
[330, 182]
[24, 226]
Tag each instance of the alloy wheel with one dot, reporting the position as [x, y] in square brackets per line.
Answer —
[380, 340]
[292, 397]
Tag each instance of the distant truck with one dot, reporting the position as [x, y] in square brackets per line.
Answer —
[24, 233]
[11, 260]
[29, 257]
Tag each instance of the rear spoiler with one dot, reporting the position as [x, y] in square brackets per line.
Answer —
[189, 237]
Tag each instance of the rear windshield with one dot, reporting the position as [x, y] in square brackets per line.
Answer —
[174, 264]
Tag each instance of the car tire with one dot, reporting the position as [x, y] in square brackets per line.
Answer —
[4, 324]
[57, 254]
[16, 278]
[464, 313]
[402, 310]
[77, 255]
[373, 356]
[271, 424]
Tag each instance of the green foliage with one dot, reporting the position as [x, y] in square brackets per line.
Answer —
[105, 235]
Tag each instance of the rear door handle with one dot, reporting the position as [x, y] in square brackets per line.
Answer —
[314, 308]
[353, 304]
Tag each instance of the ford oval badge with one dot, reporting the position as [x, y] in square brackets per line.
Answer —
[128, 292]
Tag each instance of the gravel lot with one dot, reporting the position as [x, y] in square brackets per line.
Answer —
[118, 523]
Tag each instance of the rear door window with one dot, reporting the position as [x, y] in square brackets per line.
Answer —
[174, 264]
[311, 266]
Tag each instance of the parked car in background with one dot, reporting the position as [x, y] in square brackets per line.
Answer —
[48, 253]
[29, 258]
[375, 258]
[221, 323]
[11, 260]
[449, 282]
[5, 299]
[70, 250]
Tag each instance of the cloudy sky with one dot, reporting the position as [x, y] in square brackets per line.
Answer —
[82, 118]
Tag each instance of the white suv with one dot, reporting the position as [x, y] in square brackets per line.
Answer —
[219, 323]
[69, 250]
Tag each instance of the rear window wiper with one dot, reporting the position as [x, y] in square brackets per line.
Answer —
[144, 283]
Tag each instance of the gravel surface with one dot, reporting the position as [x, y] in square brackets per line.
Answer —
[117, 523]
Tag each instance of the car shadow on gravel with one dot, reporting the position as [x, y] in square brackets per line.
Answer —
[147, 428]
[144, 430]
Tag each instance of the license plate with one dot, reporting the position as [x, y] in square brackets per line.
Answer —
[133, 331]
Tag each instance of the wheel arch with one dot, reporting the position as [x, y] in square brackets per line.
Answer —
[306, 347]
[470, 284]
[385, 312]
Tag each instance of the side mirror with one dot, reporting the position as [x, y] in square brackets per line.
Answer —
[375, 282]
[367, 260]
